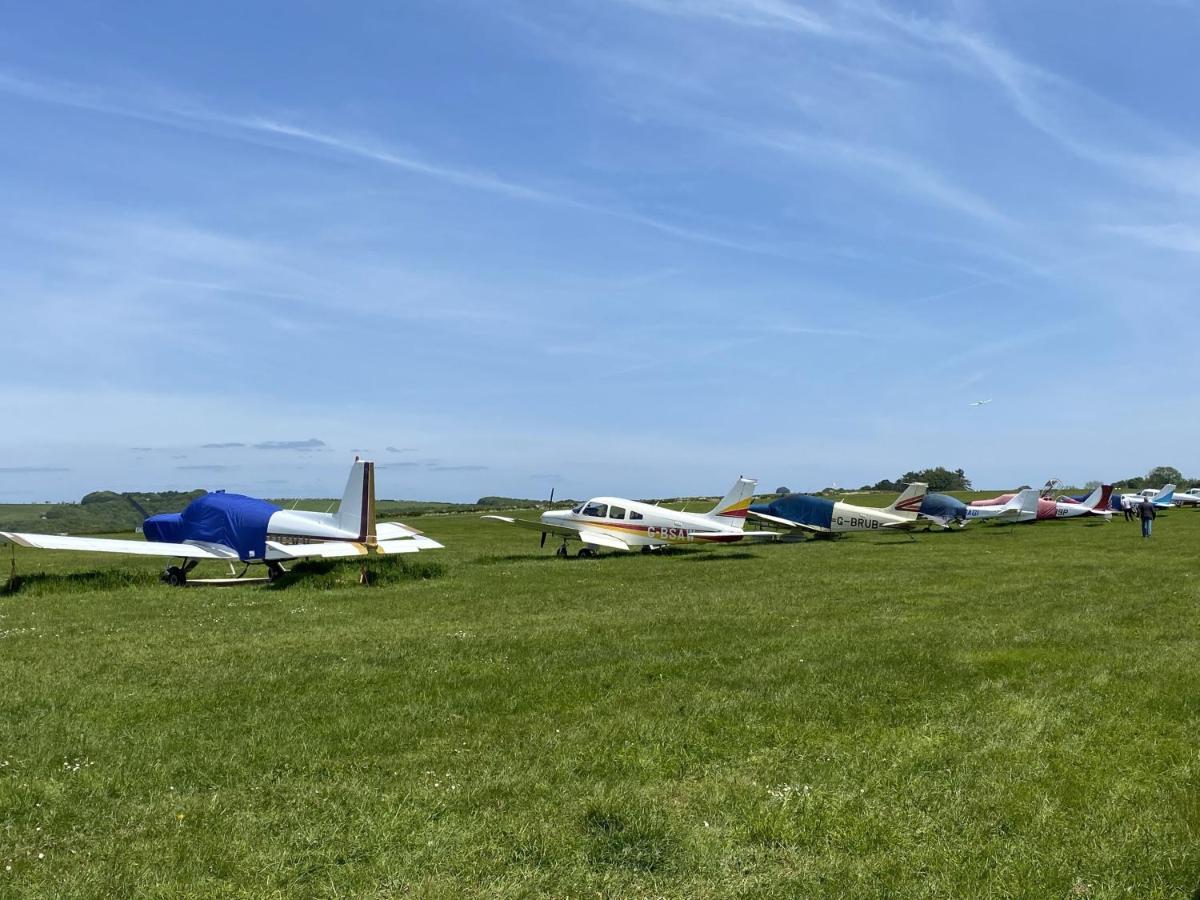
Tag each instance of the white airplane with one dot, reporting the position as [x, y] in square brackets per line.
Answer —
[981, 402]
[1020, 507]
[232, 528]
[1190, 497]
[802, 512]
[1162, 497]
[615, 523]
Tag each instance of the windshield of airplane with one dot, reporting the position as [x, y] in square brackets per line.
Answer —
[599, 510]
[578, 509]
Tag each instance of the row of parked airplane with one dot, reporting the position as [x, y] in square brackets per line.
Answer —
[234, 528]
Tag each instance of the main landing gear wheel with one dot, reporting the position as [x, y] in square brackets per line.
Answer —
[586, 553]
[274, 570]
[562, 551]
[175, 576]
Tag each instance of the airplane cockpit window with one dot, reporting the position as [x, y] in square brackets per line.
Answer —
[578, 509]
[634, 514]
[599, 510]
[616, 512]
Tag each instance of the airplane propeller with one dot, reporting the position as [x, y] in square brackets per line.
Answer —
[549, 503]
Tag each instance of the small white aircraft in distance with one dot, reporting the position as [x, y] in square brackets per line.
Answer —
[616, 523]
[981, 402]
[231, 528]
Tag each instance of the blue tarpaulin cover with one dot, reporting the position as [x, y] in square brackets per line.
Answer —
[806, 510]
[943, 506]
[219, 518]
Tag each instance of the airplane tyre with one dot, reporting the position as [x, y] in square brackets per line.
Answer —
[587, 552]
[175, 576]
[274, 571]
[562, 551]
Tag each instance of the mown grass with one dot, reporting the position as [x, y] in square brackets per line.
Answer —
[997, 712]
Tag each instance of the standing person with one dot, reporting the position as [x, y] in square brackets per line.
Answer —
[1127, 508]
[1148, 514]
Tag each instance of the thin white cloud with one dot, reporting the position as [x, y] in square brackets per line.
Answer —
[1178, 237]
[266, 131]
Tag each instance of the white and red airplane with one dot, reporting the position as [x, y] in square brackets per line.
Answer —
[615, 523]
[232, 528]
[1094, 504]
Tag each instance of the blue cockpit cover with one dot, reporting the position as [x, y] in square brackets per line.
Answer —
[219, 518]
[815, 511]
[943, 506]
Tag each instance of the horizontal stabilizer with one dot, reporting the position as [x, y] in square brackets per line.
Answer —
[322, 550]
[391, 548]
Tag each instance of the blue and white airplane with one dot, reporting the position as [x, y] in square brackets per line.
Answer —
[233, 528]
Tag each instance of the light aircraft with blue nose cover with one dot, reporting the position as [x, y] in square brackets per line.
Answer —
[819, 515]
[615, 523]
[233, 528]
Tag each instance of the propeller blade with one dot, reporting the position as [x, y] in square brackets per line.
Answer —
[543, 543]
[551, 496]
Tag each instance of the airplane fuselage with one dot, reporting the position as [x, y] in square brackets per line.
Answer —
[640, 524]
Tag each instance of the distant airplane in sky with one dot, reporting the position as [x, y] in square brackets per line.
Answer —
[981, 402]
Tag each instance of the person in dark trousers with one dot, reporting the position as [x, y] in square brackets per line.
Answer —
[1148, 514]
[1127, 506]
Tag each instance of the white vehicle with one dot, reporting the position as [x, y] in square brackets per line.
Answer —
[1021, 507]
[233, 528]
[1161, 497]
[1190, 497]
[803, 512]
[615, 523]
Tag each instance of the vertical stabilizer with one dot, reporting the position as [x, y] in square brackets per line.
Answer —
[1027, 502]
[356, 511]
[1165, 495]
[909, 503]
[730, 511]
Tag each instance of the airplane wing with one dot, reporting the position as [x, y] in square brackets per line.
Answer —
[115, 545]
[600, 539]
[788, 523]
[545, 528]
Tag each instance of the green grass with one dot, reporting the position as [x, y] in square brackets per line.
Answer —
[997, 712]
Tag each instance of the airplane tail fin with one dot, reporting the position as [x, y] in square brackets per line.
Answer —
[1026, 501]
[356, 511]
[1165, 495]
[909, 503]
[731, 509]
[1099, 498]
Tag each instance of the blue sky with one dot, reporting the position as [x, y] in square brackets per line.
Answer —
[635, 247]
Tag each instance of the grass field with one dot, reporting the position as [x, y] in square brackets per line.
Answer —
[997, 712]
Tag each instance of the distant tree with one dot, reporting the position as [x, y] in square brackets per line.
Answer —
[940, 479]
[1161, 475]
[1090, 485]
[783, 490]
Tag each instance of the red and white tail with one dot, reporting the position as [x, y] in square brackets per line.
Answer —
[730, 511]
[1099, 498]
[909, 503]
